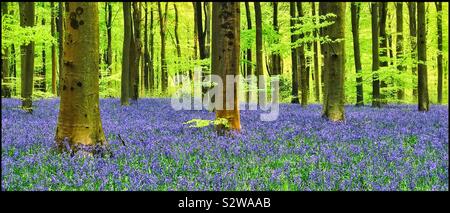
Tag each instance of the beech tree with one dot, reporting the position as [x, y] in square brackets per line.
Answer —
[125, 82]
[424, 103]
[399, 47]
[259, 55]
[225, 58]
[334, 59]
[27, 56]
[355, 8]
[439, 56]
[294, 59]
[162, 31]
[79, 124]
[375, 57]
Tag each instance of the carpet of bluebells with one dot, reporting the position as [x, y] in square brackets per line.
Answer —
[393, 148]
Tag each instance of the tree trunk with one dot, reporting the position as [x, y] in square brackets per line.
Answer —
[323, 10]
[125, 81]
[146, 58]
[276, 65]
[14, 68]
[53, 33]
[177, 40]
[259, 56]
[109, 38]
[375, 57]
[207, 11]
[201, 33]
[302, 63]
[355, 8]
[60, 29]
[295, 77]
[335, 59]
[225, 58]
[422, 57]
[413, 35]
[163, 27]
[41, 74]
[79, 124]
[316, 59]
[383, 49]
[249, 50]
[27, 56]
[400, 64]
[6, 89]
[195, 36]
[439, 56]
[136, 48]
[152, 52]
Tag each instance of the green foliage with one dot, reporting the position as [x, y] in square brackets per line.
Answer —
[200, 123]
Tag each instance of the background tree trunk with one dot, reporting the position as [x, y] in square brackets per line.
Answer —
[60, 29]
[177, 40]
[53, 33]
[323, 10]
[125, 81]
[439, 56]
[79, 120]
[276, 60]
[152, 52]
[295, 77]
[163, 27]
[136, 48]
[109, 38]
[302, 63]
[400, 63]
[334, 107]
[225, 57]
[422, 56]
[413, 35]
[146, 58]
[249, 50]
[316, 59]
[6, 74]
[41, 83]
[375, 58]
[259, 56]
[27, 56]
[383, 51]
[355, 8]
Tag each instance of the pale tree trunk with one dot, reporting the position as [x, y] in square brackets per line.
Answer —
[335, 59]
[79, 124]
[225, 57]
[424, 103]
[125, 80]
[375, 57]
[27, 56]
[355, 8]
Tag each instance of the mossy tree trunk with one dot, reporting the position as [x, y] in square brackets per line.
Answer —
[225, 57]
[375, 57]
[355, 8]
[125, 81]
[27, 56]
[335, 62]
[424, 103]
[79, 120]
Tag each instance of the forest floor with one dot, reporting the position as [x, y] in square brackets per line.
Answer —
[393, 148]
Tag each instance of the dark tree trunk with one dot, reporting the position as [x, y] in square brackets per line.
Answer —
[302, 64]
[375, 57]
[383, 49]
[335, 59]
[207, 11]
[146, 58]
[316, 59]
[125, 81]
[41, 83]
[259, 56]
[14, 68]
[53, 33]
[201, 33]
[109, 37]
[60, 29]
[439, 57]
[400, 64]
[177, 39]
[27, 56]
[152, 53]
[413, 35]
[355, 8]
[295, 77]
[225, 58]
[136, 48]
[249, 50]
[275, 57]
[163, 27]
[422, 57]
[323, 10]
[6, 89]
